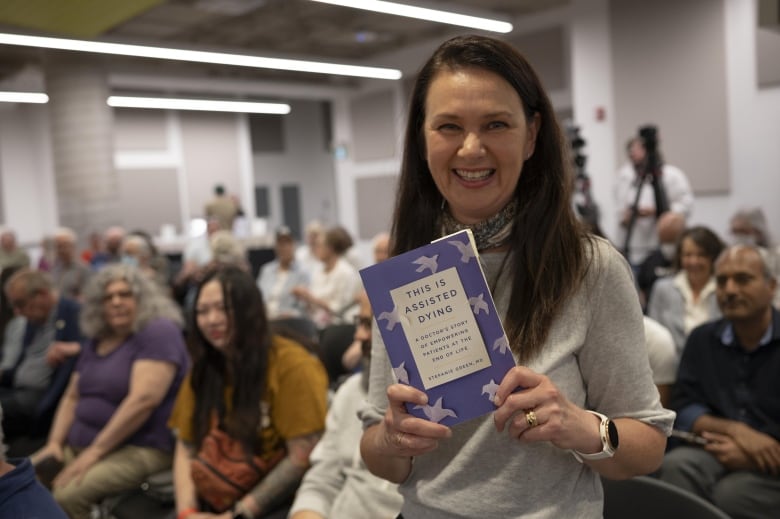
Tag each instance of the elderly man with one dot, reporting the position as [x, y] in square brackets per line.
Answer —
[68, 273]
[727, 393]
[50, 337]
[20, 493]
[11, 255]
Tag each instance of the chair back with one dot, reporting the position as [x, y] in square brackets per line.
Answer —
[334, 341]
[645, 497]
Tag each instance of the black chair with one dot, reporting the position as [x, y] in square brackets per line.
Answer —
[334, 341]
[644, 497]
[300, 325]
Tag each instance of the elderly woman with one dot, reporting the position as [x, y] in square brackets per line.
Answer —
[110, 428]
[331, 296]
[684, 301]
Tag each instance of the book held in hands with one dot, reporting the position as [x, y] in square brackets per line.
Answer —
[440, 327]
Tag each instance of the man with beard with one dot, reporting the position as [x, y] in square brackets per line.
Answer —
[726, 394]
[338, 484]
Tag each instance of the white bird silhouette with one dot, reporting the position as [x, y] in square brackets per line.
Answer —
[501, 344]
[466, 250]
[490, 389]
[400, 374]
[436, 413]
[478, 303]
[391, 318]
[427, 262]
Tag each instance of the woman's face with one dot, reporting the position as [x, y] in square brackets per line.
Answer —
[695, 262]
[119, 307]
[211, 315]
[476, 141]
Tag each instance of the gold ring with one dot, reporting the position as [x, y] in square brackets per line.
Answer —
[530, 417]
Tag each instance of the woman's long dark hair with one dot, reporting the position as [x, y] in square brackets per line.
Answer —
[547, 256]
[244, 365]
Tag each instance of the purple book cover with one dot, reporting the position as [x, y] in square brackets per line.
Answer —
[443, 335]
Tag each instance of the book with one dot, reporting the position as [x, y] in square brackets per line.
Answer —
[443, 335]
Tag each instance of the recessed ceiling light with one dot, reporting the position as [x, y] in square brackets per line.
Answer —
[23, 97]
[422, 13]
[164, 103]
[240, 60]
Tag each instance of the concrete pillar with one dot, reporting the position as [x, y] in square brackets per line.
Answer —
[81, 123]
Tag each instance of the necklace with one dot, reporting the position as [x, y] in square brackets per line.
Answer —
[490, 233]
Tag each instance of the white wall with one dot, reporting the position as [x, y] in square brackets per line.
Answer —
[754, 127]
[304, 162]
[28, 194]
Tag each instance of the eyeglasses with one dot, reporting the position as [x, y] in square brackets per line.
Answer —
[362, 320]
[121, 294]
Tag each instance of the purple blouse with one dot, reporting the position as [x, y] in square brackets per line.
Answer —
[104, 382]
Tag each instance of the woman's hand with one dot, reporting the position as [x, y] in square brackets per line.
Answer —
[540, 412]
[405, 435]
[77, 469]
[50, 450]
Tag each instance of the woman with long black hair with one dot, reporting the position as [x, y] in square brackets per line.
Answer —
[265, 393]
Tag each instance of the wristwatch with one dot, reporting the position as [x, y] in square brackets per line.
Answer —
[609, 440]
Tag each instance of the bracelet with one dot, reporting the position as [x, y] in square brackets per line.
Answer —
[187, 512]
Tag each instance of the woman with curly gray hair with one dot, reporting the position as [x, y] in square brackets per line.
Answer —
[110, 428]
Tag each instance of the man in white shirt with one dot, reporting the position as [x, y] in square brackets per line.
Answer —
[631, 178]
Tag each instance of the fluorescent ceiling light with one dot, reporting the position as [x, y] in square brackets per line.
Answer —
[422, 13]
[239, 60]
[164, 103]
[23, 97]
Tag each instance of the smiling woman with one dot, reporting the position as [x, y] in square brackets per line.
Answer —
[484, 151]
[110, 427]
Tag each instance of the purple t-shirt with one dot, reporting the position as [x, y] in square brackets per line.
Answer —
[104, 382]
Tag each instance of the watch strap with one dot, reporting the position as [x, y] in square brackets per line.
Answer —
[607, 450]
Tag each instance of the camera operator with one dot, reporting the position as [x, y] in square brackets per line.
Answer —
[645, 189]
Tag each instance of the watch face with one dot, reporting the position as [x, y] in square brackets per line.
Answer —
[613, 434]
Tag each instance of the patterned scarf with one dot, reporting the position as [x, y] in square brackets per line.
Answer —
[490, 233]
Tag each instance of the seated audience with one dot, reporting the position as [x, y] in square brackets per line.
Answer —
[226, 249]
[68, 273]
[21, 496]
[110, 428]
[663, 358]
[262, 395]
[112, 248]
[660, 262]
[330, 298]
[277, 279]
[338, 485]
[11, 255]
[51, 334]
[687, 299]
[137, 253]
[306, 254]
[727, 392]
[749, 227]
[94, 246]
[157, 261]
[380, 245]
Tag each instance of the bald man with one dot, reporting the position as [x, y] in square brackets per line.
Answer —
[726, 393]
[660, 262]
